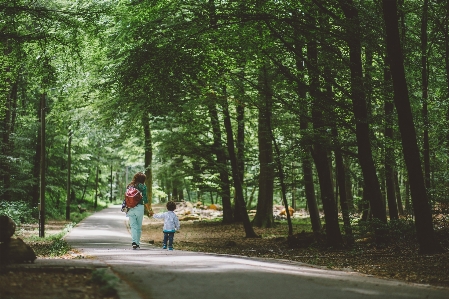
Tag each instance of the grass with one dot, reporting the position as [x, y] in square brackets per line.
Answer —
[53, 245]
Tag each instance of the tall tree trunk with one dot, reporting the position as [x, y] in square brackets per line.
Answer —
[148, 147]
[423, 219]
[306, 158]
[371, 182]
[446, 63]
[282, 181]
[425, 83]
[320, 152]
[398, 193]
[348, 181]
[264, 214]
[240, 145]
[8, 126]
[343, 193]
[389, 147]
[221, 161]
[228, 215]
[249, 231]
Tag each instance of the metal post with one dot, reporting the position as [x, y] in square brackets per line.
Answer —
[110, 198]
[69, 168]
[96, 190]
[42, 171]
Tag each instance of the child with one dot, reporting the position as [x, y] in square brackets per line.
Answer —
[171, 224]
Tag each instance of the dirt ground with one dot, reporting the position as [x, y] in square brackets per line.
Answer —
[50, 283]
[38, 283]
[399, 260]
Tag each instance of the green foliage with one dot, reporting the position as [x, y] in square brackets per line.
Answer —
[104, 66]
[52, 245]
[19, 211]
[394, 230]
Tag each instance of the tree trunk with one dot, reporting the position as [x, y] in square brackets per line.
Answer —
[5, 166]
[282, 181]
[425, 83]
[240, 151]
[320, 152]
[148, 147]
[264, 214]
[371, 182]
[389, 147]
[221, 161]
[398, 193]
[423, 219]
[307, 170]
[343, 193]
[235, 171]
[348, 182]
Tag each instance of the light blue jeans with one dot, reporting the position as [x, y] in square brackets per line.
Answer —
[135, 216]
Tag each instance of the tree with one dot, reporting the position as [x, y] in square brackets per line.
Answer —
[371, 182]
[423, 219]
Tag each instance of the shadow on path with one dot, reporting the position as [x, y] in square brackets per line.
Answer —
[156, 273]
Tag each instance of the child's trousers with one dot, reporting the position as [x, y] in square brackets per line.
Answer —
[168, 237]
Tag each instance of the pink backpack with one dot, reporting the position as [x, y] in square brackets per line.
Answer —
[132, 196]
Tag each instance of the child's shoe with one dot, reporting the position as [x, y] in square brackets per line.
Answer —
[134, 244]
[164, 247]
[170, 248]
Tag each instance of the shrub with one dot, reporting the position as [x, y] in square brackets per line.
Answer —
[19, 211]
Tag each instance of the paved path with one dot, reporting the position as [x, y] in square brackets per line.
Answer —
[155, 273]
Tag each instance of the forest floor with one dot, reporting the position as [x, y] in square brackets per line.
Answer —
[49, 283]
[398, 260]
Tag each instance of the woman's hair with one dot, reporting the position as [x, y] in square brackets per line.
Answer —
[171, 206]
[139, 177]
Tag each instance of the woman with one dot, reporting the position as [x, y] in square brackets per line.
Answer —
[135, 214]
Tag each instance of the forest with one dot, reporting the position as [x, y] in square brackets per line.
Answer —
[338, 107]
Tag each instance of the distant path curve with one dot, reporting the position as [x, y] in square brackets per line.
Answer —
[158, 274]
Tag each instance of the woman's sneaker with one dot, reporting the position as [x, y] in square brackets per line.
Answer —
[164, 247]
[135, 246]
[170, 248]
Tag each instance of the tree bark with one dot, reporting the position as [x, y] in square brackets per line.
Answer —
[320, 152]
[425, 112]
[264, 214]
[240, 146]
[249, 231]
[428, 243]
[148, 147]
[398, 193]
[389, 148]
[343, 193]
[425, 84]
[221, 161]
[371, 182]
[306, 158]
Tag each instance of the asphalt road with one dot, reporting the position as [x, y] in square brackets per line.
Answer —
[155, 273]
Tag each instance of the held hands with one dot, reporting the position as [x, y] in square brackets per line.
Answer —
[148, 211]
